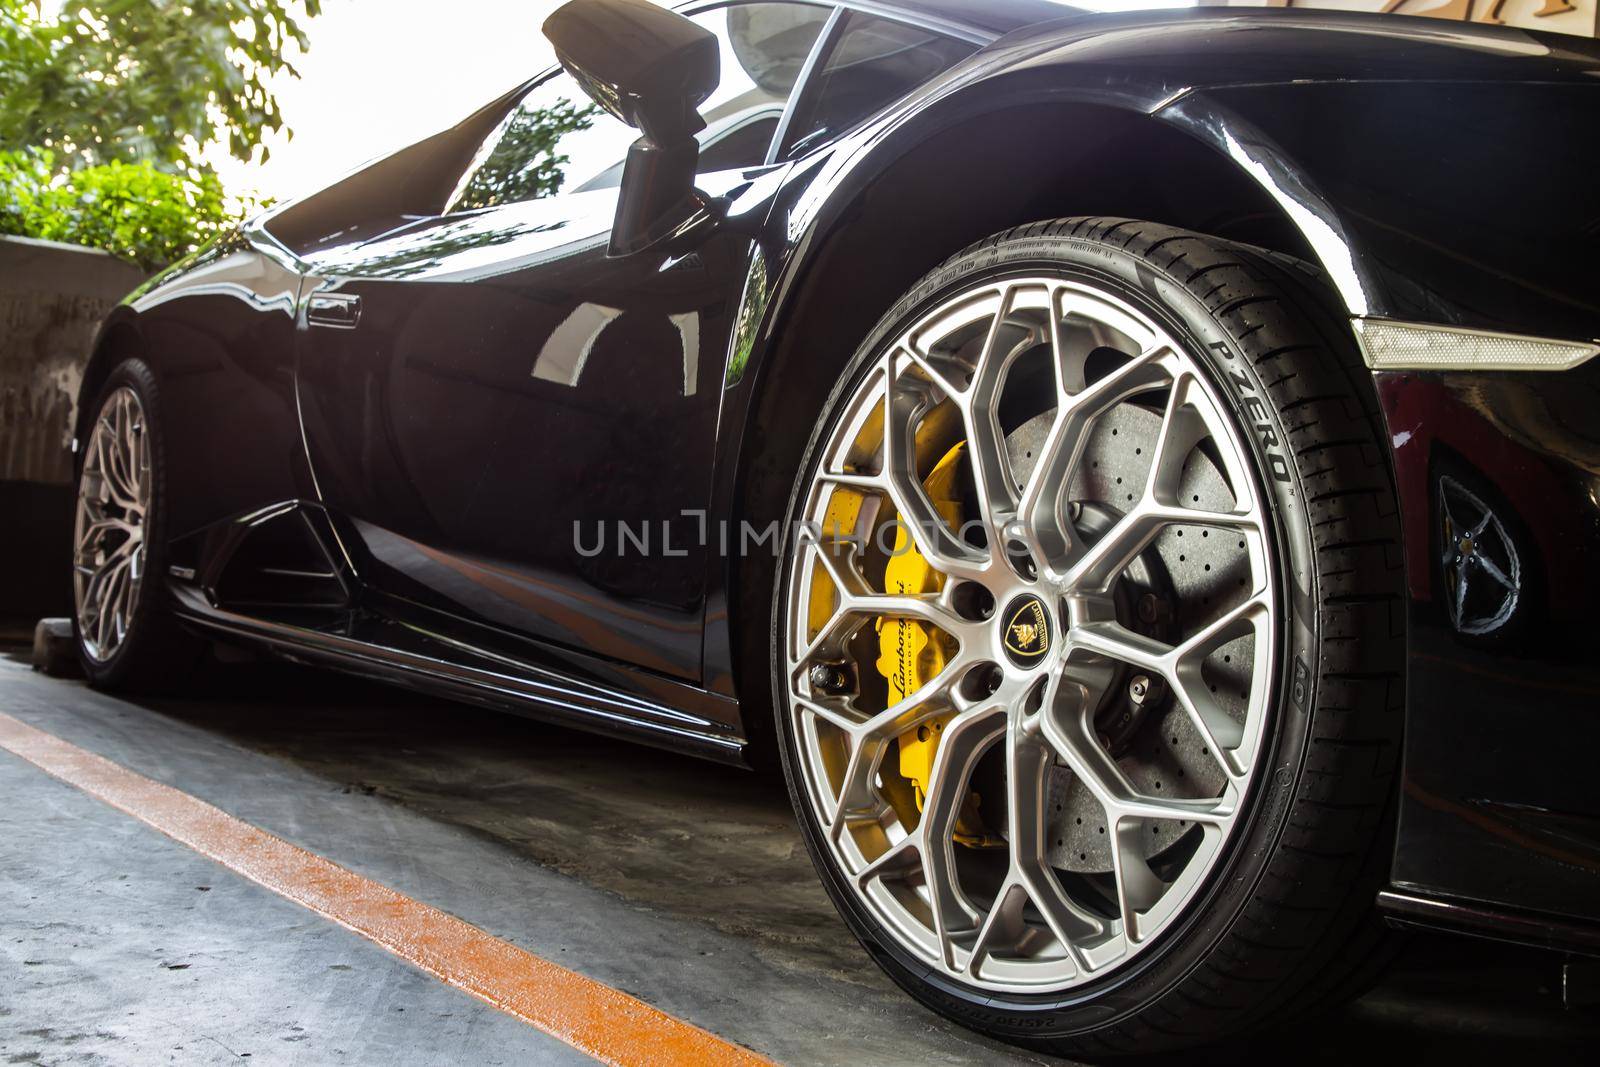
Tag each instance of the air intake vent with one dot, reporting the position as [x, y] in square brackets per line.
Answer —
[281, 563]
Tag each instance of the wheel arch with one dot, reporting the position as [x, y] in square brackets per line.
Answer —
[218, 332]
[928, 189]
[119, 339]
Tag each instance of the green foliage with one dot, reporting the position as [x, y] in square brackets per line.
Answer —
[117, 99]
[524, 164]
[131, 210]
[751, 310]
[137, 80]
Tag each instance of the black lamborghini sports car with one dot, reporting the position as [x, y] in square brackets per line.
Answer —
[1138, 474]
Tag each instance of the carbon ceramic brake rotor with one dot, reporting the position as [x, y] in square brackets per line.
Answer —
[1196, 574]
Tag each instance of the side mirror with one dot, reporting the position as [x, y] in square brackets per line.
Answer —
[651, 68]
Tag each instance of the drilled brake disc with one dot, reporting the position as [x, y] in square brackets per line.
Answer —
[1194, 576]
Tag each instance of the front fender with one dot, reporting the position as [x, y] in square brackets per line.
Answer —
[1356, 134]
[218, 330]
[1461, 204]
[1437, 174]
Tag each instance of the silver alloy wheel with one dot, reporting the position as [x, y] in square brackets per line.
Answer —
[108, 538]
[1081, 555]
[1483, 573]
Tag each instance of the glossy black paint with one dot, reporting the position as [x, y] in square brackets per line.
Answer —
[492, 418]
[1472, 219]
[1499, 803]
[219, 330]
[1436, 173]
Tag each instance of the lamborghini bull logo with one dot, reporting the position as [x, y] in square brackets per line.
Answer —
[1027, 631]
[1025, 635]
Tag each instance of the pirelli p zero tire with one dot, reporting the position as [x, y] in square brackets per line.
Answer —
[1088, 642]
[122, 624]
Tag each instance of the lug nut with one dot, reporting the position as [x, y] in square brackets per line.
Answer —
[1144, 690]
[830, 678]
[1153, 609]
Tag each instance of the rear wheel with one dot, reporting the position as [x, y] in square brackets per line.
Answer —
[1088, 639]
[123, 629]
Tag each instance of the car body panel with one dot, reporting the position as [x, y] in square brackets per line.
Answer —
[498, 397]
[1497, 804]
[1435, 173]
[223, 323]
[1471, 222]
[1302, 103]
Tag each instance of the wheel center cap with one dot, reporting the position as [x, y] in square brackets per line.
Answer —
[1027, 635]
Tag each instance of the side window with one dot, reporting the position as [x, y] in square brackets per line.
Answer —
[764, 49]
[556, 141]
[742, 144]
[870, 63]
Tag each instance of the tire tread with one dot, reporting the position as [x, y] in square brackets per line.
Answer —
[1337, 418]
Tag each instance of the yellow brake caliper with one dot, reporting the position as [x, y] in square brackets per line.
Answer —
[911, 653]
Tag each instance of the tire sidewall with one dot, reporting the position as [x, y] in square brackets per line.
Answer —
[1188, 941]
[150, 612]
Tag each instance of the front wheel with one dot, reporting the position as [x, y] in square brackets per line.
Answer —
[1088, 641]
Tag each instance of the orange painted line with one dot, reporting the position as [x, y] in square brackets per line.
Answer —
[593, 1018]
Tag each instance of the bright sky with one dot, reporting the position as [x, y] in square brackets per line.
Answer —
[381, 74]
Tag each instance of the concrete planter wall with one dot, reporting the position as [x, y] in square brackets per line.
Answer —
[52, 300]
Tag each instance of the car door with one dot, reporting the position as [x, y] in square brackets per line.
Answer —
[512, 427]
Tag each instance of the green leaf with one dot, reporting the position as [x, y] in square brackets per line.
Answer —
[91, 75]
[135, 211]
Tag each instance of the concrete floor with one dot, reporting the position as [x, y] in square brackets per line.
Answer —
[679, 882]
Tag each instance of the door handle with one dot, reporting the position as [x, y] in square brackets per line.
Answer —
[340, 311]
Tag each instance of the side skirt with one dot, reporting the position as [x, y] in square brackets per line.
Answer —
[412, 657]
[1405, 908]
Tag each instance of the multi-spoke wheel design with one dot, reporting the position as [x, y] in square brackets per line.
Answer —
[1027, 758]
[1482, 568]
[112, 516]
